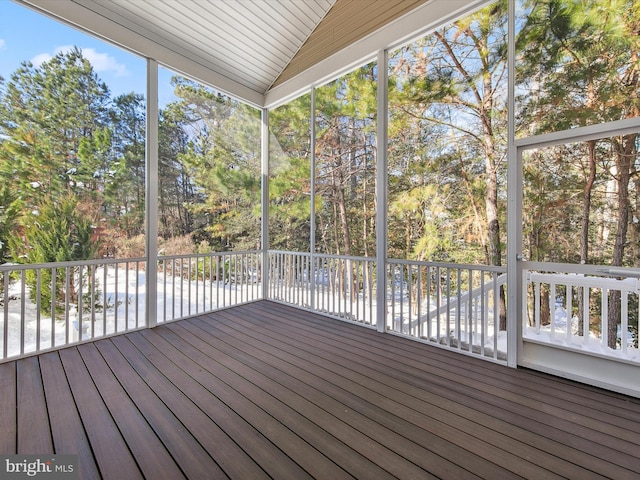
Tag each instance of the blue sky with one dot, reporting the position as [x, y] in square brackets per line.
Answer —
[27, 35]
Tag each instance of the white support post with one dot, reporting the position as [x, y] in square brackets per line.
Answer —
[264, 240]
[151, 158]
[514, 210]
[312, 171]
[381, 191]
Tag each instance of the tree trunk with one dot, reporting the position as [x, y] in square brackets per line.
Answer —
[624, 151]
[584, 233]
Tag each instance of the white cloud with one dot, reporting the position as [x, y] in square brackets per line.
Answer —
[2, 42]
[102, 62]
[40, 59]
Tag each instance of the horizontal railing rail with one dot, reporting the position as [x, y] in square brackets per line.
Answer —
[455, 306]
[571, 309]
[339, 286]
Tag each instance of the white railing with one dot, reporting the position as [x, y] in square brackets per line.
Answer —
[571, 310]
[195, 284]
[455, 306]
[336, 285]
[47, 306]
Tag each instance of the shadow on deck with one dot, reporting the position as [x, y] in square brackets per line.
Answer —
[268, 391]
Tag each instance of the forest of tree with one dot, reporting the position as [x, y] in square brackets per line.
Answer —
[72, 156]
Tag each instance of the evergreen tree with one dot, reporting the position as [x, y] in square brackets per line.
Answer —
[47, 115]
[345, 164]
[59, 231]
[290, 176]
[223, 161]
[125, 178]
[449, 92]
[580, 67]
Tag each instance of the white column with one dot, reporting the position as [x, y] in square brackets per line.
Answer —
[381, 191]
[312, 171]
[151, 201]
[264, 241]
[514, 209]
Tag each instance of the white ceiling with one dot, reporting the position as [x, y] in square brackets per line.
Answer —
[238, 46]
[249, 41]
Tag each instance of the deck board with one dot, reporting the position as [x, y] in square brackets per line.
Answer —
[66, 425]
[112, 455]
[34, 434]
[269, 391]
[149, 452]
[8, 420]
[483, 383]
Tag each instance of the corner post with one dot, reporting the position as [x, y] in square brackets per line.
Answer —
[264, 207]
[381, 190]
[151, 159]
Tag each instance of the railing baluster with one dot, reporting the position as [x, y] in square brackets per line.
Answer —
[38, 312]
[552, 309]
[569, 307]
[428, 274]
[458, 308]
[126, 296]
[604, 328]
[585, 314]
[23, 292]
[484, 312]
[469, 316]
[116, 286]
[438, 302]
[92, 316]
[448, 301]
[496, 314]
[624, 325]
[67, 284]
[5, 318]
[537, 314]
[137, 296]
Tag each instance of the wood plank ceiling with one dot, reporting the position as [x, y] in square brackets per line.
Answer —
[254, 43]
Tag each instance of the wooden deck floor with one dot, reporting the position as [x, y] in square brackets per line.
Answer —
[268, 391]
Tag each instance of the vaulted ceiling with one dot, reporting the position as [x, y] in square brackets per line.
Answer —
[257, 50]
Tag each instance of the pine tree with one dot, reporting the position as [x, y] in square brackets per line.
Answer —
[58, 232]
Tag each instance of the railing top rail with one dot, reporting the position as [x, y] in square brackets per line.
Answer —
[209, 254]
[584, 269]
[11, 267]
[578, 280]
[324, 255]
[345, 257]
[289, 252]
[462, 266]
